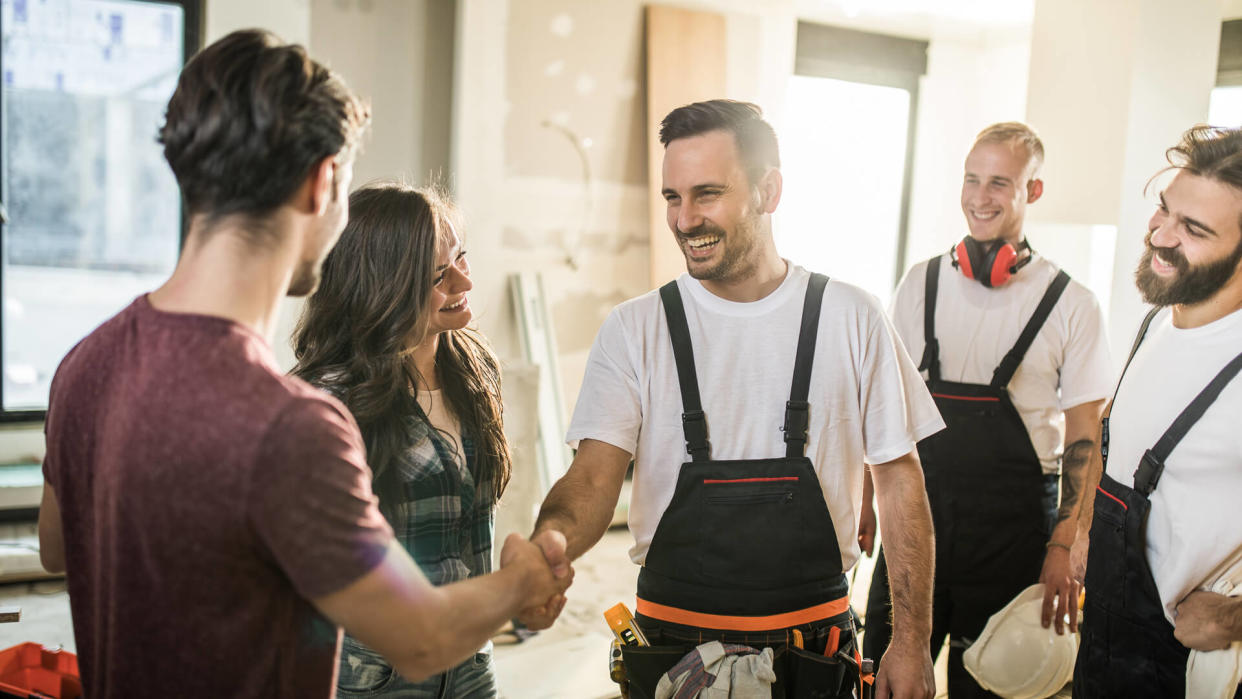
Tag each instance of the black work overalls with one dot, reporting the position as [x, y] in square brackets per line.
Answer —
[991, 503]
[746, 549]
[1127, 647]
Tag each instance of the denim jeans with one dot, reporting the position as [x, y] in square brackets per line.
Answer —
[364, 673]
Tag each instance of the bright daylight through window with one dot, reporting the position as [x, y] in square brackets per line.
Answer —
[840, 212]
[93, 210]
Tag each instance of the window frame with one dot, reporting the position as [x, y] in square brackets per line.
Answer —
[192, 39]
[1229, 58]
[852, 55]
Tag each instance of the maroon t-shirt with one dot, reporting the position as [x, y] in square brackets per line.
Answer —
[205, 497]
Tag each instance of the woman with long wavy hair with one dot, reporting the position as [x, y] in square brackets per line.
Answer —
[386, 333]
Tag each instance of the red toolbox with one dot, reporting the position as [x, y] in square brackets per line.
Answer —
[30, 671]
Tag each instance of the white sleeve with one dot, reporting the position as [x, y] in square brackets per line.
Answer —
[896, 408]
[609, 408]
[1086, 369]
[906, 310]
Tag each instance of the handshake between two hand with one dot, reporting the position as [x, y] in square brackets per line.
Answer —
[548, 574]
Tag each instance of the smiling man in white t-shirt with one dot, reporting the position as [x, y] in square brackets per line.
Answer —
[749, 393]
[1165, 541]
[1016, 358]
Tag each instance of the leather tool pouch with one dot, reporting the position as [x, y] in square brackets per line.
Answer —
[800, 674]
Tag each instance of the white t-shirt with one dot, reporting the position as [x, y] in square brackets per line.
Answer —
[1067, 364]
[867, 401]
[1193, 530]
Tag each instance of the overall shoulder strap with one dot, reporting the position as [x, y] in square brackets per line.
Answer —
[1138, 340]
[1009, 364]
[931, 347]
[1152, 463]
[797, 409]
[693, 421]
[1108, 409]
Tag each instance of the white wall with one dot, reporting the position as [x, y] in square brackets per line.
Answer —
[1152, 68]
[1169, 92]
[398, 55]
[971, 82]
[290, 19]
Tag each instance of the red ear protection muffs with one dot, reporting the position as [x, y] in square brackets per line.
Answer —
[992, 263]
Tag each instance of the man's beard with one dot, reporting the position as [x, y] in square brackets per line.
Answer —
[305, 279]
[1192, 284]
[735, 260]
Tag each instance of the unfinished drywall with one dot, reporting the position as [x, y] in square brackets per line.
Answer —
[547, 91]
[398, 55]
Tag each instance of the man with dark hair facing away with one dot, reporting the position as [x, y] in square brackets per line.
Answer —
[214, 518]
[749, 393]
[1163, 614]
[1016, 357]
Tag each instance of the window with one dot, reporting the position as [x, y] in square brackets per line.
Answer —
[847, 150]
[842, 205]
[93, 214]
[1225, 106]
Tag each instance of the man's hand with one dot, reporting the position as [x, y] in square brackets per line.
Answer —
[866, 529]
[553, 547]
[544, 590]
[1207, 620]
[906, 673]
[1060, 587]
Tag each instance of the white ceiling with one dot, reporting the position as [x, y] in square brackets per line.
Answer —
[925, 19]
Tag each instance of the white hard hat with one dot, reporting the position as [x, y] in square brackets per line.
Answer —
[1016, 657]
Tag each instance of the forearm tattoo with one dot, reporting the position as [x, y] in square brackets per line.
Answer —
[1073, 472]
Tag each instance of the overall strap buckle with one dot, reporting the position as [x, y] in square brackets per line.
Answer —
[797, 421]
[1148, 473]
[694, 425]
[797, 409]
[693, 421]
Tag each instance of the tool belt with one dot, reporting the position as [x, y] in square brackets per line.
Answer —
[800, 673]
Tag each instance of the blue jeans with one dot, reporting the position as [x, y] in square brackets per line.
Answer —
[364, 673]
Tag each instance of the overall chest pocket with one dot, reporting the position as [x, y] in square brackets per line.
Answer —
[752, 530]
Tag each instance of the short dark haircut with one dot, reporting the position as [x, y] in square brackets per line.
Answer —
[250, 117]
[755, 139]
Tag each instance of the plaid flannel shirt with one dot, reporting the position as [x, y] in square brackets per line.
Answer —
[444, 520]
